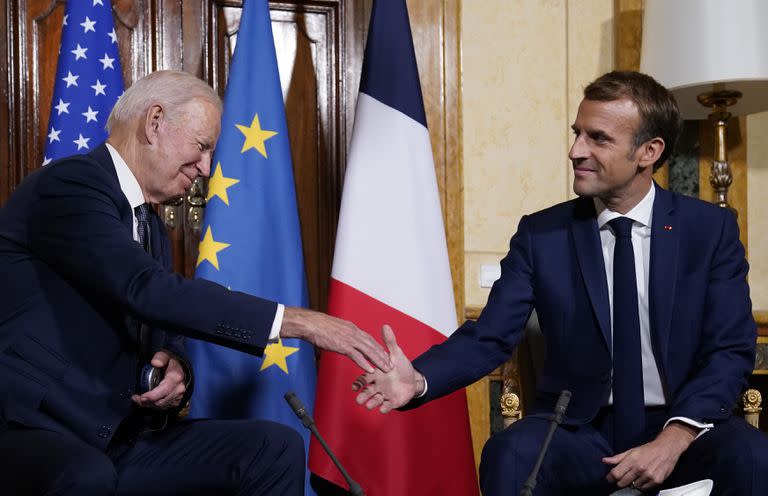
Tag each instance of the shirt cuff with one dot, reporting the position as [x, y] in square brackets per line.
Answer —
[274, 333]
[425, 387]
[703, 427]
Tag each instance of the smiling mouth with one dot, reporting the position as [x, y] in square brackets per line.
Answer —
[190, 179]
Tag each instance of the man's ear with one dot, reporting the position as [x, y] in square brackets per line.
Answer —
[152, 120]
[650, 151]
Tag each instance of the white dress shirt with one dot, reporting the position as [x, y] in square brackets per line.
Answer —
[132, 191]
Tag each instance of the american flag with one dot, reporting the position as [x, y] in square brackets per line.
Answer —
[89, 80]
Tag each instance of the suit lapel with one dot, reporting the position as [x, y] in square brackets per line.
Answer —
[586, 238]
[665, 242]
[103, 159]
[101, 156]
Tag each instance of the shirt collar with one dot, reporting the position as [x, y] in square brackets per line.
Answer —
[128, 183]
[641, 213]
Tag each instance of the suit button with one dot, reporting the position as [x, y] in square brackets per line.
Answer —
[723, 409]
[104, 432]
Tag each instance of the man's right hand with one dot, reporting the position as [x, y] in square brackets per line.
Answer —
[393, 389]
[332, 334]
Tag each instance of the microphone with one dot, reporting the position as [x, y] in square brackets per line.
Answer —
[298, 408]
[557, 418]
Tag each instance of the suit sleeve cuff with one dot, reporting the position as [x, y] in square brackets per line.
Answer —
[274, 333]
[703, 427]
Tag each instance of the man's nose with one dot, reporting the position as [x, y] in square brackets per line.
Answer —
[578, 149]
[204, 165]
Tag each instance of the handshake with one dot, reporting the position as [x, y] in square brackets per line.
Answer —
[389, 383]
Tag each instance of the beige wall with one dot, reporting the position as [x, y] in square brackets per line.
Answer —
[525, 63]
[757, 215]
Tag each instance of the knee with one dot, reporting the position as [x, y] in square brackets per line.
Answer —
[91, 475]
[737, 457]
[282, 447]
[510, 445]
[507, 457]
[278, 464]
[745, 455]
[290, 448]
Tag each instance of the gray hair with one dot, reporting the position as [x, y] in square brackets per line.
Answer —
[172, 89]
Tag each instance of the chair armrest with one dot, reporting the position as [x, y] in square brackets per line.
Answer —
[752, 400]
[510, 408]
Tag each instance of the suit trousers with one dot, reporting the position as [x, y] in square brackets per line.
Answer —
[733, 454]
[190, 458]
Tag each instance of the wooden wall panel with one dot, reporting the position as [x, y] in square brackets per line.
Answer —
[6, 127]
[435, 26]
[34, 33]
[133, 26]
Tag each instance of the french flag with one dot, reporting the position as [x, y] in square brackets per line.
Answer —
[391, 267]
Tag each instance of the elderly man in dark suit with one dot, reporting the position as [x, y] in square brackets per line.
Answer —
[88, 297]
[642, 298]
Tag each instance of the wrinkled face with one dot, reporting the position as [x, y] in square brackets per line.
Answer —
[183, 149]
[606, 163]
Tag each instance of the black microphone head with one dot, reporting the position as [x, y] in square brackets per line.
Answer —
[562, 402]
[295, 403]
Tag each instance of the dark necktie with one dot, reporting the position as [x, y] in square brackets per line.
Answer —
[142, 213]
[628, 399]
[143, 229]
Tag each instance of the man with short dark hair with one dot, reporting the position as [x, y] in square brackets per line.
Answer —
[642, 298]
[89, 299]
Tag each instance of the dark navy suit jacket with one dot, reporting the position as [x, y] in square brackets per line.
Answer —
[74, 285]
[702, 329]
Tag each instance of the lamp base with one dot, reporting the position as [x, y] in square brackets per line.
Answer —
[720, 177]
[720, 98]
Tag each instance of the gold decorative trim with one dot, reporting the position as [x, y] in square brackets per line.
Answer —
[510, 408]
[752, 400]
[510, 405]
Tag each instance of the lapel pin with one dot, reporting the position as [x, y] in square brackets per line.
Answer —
[667, 228]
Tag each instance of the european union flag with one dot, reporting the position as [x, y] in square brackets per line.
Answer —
[88, 80]
[251, 224]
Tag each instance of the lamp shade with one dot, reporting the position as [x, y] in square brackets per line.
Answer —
[697, 46]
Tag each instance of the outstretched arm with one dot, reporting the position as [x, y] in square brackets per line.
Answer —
[330, 333]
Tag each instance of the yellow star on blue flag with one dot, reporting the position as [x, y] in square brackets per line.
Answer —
[275, 354]
[255, 136]
[218, 184]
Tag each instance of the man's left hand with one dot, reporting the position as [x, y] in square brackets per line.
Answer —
[647, 466]
[169, 393]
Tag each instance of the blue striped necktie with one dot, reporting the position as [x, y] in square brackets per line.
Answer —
[142, 213]
[628, 399]
[143, 218]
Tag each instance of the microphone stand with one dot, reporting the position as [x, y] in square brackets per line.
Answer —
[298, 408]
[557, 418]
